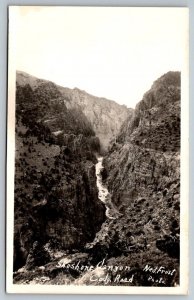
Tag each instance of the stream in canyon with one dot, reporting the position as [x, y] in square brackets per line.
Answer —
[103, 194]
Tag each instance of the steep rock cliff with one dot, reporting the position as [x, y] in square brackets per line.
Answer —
[106, 116]
[142, 172]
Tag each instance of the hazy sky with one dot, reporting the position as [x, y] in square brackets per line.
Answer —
[116, 53]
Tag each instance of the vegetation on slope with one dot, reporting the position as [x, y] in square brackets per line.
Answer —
[56, 197]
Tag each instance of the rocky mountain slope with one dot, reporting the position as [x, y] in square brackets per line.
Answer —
[106, 116]
[142, 172]
[56, 198]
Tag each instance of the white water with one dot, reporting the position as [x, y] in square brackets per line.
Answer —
[103, 193]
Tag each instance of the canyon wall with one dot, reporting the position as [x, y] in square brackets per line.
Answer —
[142, 173]
[56, 198]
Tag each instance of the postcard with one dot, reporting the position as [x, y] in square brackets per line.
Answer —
[97, 150]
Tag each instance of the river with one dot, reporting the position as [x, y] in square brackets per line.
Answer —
[103, 194]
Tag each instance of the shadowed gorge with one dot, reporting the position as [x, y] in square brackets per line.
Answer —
[56, 197]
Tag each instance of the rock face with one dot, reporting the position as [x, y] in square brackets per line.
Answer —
[148, 145]
[143, 175]
[106, 116]
[56, 198]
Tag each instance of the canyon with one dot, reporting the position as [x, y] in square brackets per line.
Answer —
[96, 181]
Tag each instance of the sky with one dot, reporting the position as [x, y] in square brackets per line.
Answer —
[109, 52]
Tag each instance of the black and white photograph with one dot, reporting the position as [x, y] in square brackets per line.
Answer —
[97, 150]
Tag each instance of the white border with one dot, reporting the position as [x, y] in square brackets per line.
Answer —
[72, 289]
